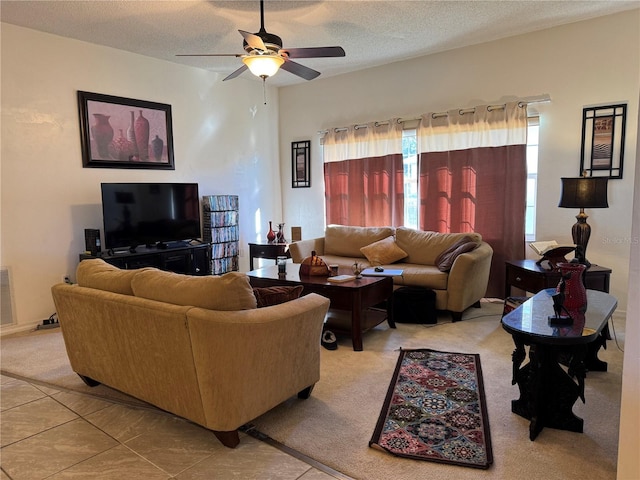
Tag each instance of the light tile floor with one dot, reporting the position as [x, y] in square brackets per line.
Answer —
[54, 434]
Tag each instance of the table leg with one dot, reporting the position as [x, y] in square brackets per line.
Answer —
[593, 363]
[356, 322]
[547, 392]
[562, 392]
[390, 319]
[517, 357]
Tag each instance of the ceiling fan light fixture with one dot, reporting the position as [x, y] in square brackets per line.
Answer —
[263, 66]
[265, 55]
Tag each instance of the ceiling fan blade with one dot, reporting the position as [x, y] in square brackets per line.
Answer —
[313, 52]
[209, 55]
[235, 73]
[254, 41]
[300, 70]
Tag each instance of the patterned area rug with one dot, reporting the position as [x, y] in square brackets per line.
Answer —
[435, 410]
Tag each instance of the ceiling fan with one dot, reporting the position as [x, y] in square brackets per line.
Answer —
[265, 55]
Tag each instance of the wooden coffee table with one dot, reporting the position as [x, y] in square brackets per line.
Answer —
[354, 296]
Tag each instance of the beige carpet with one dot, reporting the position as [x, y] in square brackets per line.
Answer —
[334, 425]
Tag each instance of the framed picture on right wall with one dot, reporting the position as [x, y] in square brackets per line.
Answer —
[602, 152]
[300, 164]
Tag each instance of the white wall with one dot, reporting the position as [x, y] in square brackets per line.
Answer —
[581, 64]
[629, 440]
[224, 138]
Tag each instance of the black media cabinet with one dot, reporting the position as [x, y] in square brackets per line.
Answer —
[187, 259]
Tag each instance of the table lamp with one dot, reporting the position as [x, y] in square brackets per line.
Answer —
[583, 192]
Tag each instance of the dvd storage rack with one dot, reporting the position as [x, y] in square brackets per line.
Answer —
[221, 229]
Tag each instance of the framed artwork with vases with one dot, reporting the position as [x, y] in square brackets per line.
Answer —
[118, 132]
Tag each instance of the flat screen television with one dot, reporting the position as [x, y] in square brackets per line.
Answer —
[151, 214]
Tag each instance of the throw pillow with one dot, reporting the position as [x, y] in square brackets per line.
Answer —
[346, 241]
[228, 292]
[383, 252]
[445, 260]
[423, 247]
[267, 296]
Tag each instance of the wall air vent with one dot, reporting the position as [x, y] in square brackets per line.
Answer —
[6, 300]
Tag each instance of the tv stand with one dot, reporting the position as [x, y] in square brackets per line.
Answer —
[187, 259]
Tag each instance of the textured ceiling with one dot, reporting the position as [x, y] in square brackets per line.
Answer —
[371, 32]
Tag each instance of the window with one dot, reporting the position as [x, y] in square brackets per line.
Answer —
[410, 154]
[410, 161]
[532, 178]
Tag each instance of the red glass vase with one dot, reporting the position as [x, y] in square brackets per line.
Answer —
[575, 293]
[271, 235]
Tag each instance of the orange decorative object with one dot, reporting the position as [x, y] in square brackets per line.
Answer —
[314, 266]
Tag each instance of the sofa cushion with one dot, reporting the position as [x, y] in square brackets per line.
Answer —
[347, 241]
[424, 247]
[445, 260]
[427, 276]
[267, 296]
[98, 274]
[383, 251]
[228, 292]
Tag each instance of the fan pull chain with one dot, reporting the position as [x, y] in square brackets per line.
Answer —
[264, 89]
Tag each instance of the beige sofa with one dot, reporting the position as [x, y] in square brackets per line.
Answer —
[459, 279]
[194, 346]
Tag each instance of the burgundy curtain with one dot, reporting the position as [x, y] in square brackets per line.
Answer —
[478, 190]
[365, 192]
[473, 177]
[364, 175]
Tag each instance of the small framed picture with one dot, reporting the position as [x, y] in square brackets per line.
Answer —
[300, 160]
[117, 132]
[603, 130]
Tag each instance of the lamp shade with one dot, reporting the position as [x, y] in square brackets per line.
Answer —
[263, 65]
[584, 192]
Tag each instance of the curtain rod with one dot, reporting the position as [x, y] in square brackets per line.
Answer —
[544, 98]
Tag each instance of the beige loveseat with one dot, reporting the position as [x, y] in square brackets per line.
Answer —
[459, 277]
[194, 346]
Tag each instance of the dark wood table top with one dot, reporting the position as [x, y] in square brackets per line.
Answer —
[270, 244]
[531, 319]
[293, 276]
[532, 266]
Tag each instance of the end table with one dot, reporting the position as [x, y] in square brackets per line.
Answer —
[267, 250]
[527, 275]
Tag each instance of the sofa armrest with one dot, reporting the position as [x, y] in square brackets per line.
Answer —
[249, 361]
[302, 249]
[468, 278]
